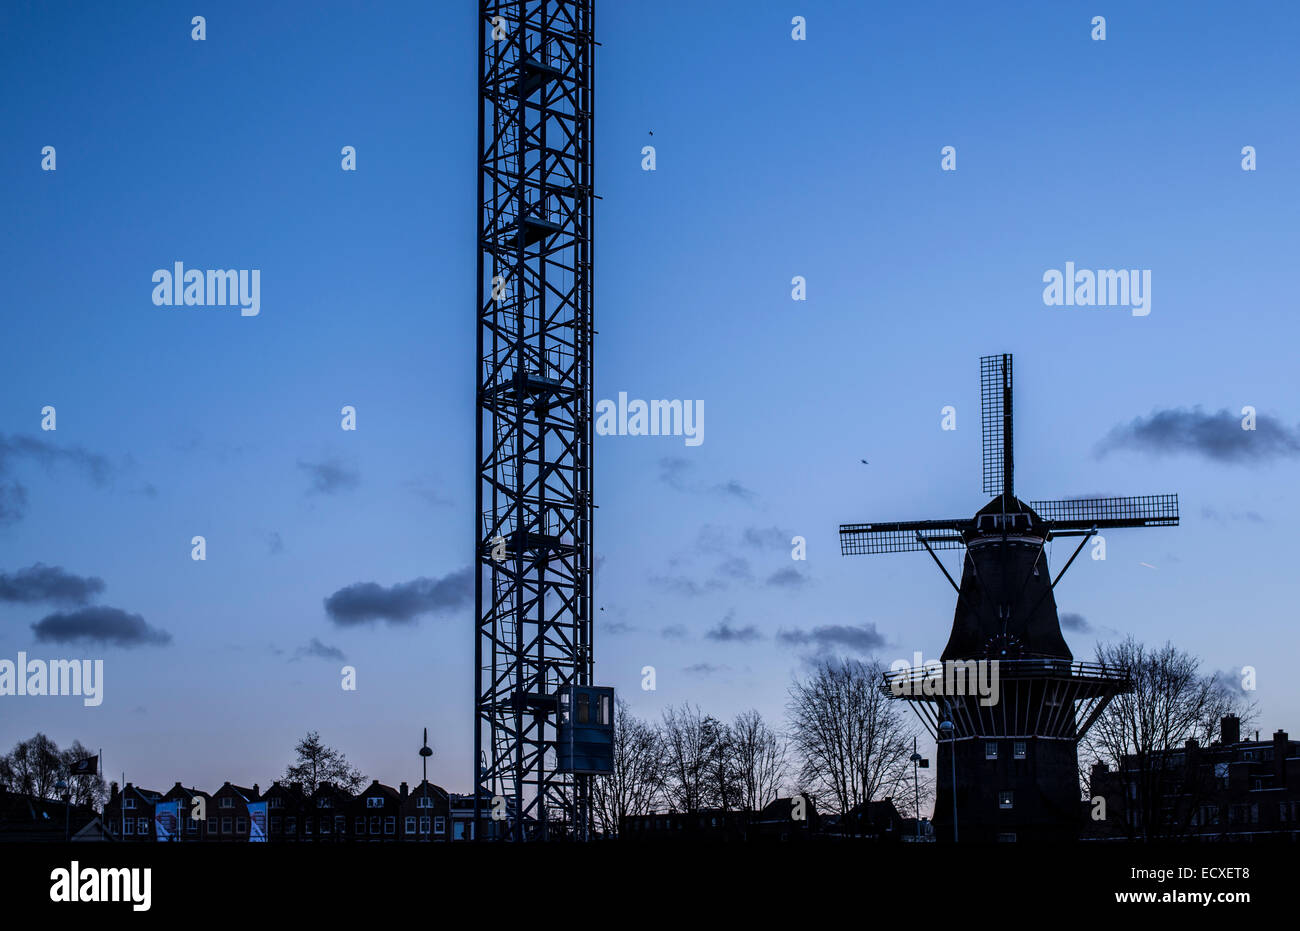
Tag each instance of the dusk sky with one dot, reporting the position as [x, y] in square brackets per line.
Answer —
[775, 158]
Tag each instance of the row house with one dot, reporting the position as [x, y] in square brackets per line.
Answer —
[1234, 789]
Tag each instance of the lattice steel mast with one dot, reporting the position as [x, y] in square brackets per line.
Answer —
[534, 432]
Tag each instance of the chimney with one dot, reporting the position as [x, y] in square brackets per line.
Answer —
[402, 791]
[1281, 744]
[1230, 728]
[256, 792]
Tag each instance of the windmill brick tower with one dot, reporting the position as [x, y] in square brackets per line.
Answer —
[1014, 762]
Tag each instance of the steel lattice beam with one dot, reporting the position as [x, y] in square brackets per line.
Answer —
[534, 429]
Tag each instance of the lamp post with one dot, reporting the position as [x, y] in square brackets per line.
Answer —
[62, 786]
[917, 761]
[426, 812]
[946, 731]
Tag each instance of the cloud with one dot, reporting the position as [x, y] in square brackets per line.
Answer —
[329, 476]
[1075, 622]
[617, 627]
[318, 649]
[723, 632]
[274, 543]
[93, 466]
[766, 537]
[736, 568]
[863, 639]
[677, 473]
[1218, 436]
[682, 585]
[673, 471]
[705, 669]
[789, 577]
[1228, 681]
[13, 502]
[674, 632]
[1210, 513]
[427, 492]
[48, 583]
[733, 489]
[365, 602]
[99, 624]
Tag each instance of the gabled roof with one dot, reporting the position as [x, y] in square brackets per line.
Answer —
[378, 788]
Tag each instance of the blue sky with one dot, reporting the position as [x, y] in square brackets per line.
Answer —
[775, 158]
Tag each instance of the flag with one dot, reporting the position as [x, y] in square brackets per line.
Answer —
[164, 816]
[87, 767]
[257, 822]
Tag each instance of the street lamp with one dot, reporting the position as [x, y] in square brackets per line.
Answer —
[917, 760]
[62, 786]
[947, 732]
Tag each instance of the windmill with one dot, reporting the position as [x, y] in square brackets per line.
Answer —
[1014, 762]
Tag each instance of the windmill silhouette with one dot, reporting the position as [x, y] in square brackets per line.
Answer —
[1014, 762]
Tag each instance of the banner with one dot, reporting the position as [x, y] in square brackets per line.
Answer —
[164, 819]
[257, 822]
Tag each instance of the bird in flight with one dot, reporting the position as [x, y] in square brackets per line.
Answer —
[864, 462]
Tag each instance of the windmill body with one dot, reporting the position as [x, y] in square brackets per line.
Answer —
[1013, 759]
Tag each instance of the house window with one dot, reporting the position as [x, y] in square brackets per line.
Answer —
[241, 825]
[275, 824]
[1006, 799]
[212, 824]
[275, 803]
[410, 824]
[390, 825]
[142, 826]
[1007, 838]
[424, 802]
[374, 824]
[225, 825]
[424, 824]
[439, 825]
[360, 825]
[291, 825]
[1019, 749]
[128, 826]
[340, 824]
[191, 825]
[324, 803]
[324, 824]
[227, 802]
[375, 801]
[308, 825]
[128, 803]
[991, 750]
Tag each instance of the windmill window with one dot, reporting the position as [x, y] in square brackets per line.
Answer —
[1020, 750]
[1006, 799]
[991, 750]
[1007, 838]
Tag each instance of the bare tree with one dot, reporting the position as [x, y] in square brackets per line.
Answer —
[36, 766]
[318, 763]
[852, 740]
[638, 778]
[760, 760]
[1171, 702]
[723, 785]
[690, 744]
